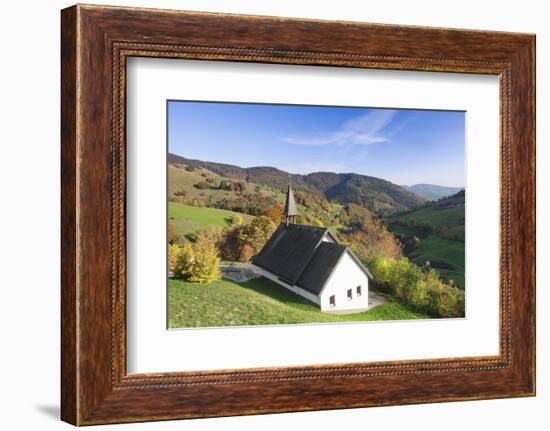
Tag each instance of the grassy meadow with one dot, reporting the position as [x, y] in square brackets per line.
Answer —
[443, 244]
[436, 249]
[188, 219]
[259, 302]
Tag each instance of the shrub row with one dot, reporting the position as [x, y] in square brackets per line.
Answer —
[423, 290]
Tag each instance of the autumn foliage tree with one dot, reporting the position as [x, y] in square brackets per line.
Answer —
[173, 236]
[173, 252]
[368, 237]
[274, 213]
[237, 219]
[199, 262]
[184, 261]
[242, 242]
[206, 263]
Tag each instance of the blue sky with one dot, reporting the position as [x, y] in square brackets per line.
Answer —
[402, 146]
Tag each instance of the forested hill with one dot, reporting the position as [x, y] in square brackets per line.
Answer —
[378, 195]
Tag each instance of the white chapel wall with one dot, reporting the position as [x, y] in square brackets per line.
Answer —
[346, 275]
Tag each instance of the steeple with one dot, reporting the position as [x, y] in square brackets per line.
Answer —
[289, 212]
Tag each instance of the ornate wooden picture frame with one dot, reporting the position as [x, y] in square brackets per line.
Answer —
[96, 42]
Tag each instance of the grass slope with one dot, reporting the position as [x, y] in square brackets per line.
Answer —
[181, 180]
[435, 248]
[188, 219]
[438, 217]
[258, 302]
[445, 244]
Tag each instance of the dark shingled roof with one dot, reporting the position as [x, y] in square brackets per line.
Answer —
[321, 265]
[289, 250]
[298, 256]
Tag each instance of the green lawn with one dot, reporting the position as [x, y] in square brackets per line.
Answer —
[435, 248]
[437, 217]
[188, 219]
[259, 302]
[402, 230]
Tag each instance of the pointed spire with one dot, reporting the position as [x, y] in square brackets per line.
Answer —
[290, 212]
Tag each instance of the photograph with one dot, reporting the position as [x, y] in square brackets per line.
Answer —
[297, 214]
[302, 214]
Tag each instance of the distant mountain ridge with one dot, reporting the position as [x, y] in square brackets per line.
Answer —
[378, 195]
[432, 192]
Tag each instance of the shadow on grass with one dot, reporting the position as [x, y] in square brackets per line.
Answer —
[266, 287]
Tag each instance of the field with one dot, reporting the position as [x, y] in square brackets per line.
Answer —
[447, 218]
[188, 219]
[181, 180]
[443, 243]
[437, 249]
[259, 302]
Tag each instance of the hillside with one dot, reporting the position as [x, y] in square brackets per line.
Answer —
[213, 189]
[259, 302]
[432, 192]
[188, 220]
[262, 175]
[435, 233]
[378, 195]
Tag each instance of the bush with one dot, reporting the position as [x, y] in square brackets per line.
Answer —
[173, 236]
[173, 253]
[184, 262]
[202, 185]
[256, 233]
[380, 269]
[368, 236]
[199, 263]
[404, 278]
[243, 242]
[247, 253]
[232, 186]
[318, 223]
[206, 263]
[212, 235]
[228, 246]
[443, 299]
[425, 291]
[237, 219]
[195, 202]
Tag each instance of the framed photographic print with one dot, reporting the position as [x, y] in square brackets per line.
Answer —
[258, 208]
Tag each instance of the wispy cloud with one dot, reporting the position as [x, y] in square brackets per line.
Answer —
[369, 128]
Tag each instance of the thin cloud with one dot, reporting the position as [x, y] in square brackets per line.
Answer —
[369, 128]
